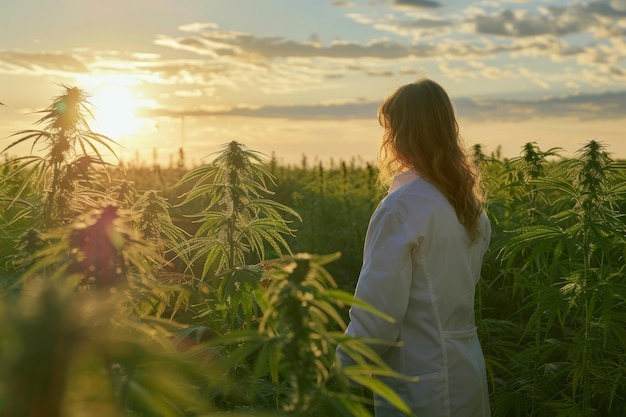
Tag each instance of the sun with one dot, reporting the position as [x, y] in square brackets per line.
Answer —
[114, 110]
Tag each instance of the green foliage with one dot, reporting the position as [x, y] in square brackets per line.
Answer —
[335, 203]
[555, 293]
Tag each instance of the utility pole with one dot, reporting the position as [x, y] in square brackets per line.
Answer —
[182, 132]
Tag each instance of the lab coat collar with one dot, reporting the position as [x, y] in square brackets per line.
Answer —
[401, 179]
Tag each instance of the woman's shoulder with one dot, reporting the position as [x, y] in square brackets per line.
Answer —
[416, 198]
[416, 191]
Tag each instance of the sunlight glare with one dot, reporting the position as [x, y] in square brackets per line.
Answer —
[114, 112]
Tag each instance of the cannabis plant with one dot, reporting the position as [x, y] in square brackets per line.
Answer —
[239, 227]
[67, 173]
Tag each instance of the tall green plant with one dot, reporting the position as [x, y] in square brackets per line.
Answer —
[238, 225]
[65, 171]
[236, 220]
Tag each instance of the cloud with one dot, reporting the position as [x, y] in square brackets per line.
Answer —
[341, 3]
[619, 5]
[515, 23]
[417, 28]
[417, 3]
[332, 111]
[244, 46]
[276, 65]
[609, 8]
[474, 70]
[189, 93]
[196, 72]
[608, 105]
[197, 27]
[21, 62]
[379, 73]
[599, 15]
[269, 76]
[521, 23]
[519, 34]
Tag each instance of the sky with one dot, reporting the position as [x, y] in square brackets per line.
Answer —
[304, 78]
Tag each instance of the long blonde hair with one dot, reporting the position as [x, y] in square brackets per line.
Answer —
[421, 133]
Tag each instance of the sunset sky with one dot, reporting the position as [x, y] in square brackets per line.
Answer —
[298, 77]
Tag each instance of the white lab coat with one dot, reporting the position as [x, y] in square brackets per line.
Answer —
[419, 268]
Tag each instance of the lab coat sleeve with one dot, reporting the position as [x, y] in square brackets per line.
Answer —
[385, 278]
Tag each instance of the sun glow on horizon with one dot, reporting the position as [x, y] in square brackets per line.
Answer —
[114, 110]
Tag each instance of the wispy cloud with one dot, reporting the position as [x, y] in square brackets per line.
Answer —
[38, 63]
[245, 46]
[417, 28]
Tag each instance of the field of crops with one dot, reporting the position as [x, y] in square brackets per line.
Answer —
[141, 290]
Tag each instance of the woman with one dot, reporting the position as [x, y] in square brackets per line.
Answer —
[422, 259]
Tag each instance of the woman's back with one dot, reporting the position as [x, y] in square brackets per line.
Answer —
[437, 333]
